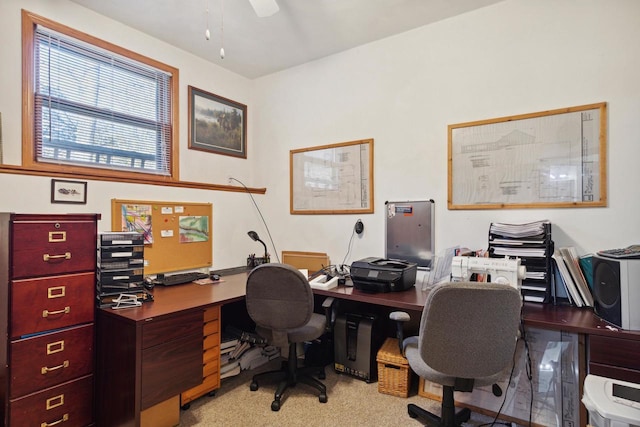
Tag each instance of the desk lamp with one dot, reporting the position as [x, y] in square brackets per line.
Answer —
[255, 237]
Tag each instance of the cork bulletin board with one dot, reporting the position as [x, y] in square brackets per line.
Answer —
[178, 235]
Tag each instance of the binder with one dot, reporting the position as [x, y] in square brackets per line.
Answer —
[532, 244]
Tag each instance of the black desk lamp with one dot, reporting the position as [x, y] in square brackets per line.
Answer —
[255, 237]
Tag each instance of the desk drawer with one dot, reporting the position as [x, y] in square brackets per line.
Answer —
[613, 357]
[171, 368]
[614, 351]
[156, 331]
[46, 360]
[68, 405]
[39, 305]
[43, 248]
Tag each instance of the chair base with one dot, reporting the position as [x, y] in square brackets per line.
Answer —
[448, 418]
[290, 375]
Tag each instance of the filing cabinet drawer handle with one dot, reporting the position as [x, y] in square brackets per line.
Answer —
[46, 369]
[56, 292]
[57, 236]
[47, 257]
[55, 401]
[65, 310]
[64, 418]
[55, 347]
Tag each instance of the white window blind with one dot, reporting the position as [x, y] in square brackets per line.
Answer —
[96, 108]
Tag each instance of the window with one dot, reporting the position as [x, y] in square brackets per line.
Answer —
[95, 105]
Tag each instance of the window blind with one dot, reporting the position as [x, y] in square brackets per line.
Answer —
[97, 108]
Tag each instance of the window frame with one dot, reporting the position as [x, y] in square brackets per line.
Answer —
[29, 156]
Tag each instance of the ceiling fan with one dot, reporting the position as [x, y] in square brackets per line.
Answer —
[264, 8]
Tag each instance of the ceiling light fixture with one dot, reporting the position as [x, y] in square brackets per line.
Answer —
[207, 33]
[222, 29]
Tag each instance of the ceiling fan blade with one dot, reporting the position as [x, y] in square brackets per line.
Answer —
[264, 8]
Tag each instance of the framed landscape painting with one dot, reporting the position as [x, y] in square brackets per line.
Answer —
[216, 124]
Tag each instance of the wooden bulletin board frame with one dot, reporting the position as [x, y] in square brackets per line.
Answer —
[175, 235]
[548, 159]
[332, 179]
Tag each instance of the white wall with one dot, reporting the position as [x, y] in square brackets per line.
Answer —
[515, 57]
[233, 213]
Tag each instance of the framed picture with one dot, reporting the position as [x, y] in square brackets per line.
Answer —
[332, 179]
[63, 191]
[548, 159]
[216, 124]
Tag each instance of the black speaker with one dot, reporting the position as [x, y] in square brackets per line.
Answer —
[606, 290]
[616, 293]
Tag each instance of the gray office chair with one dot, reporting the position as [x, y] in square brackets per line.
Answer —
[280, 302]
[467, 338]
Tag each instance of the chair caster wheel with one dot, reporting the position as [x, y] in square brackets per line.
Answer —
[211, 393]
[253, 386]
[322, 375]
[185, 406]
[275, 405]
[323, 398]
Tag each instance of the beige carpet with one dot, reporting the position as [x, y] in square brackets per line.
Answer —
[351, 402]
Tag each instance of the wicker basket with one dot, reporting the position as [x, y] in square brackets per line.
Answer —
[394, 375]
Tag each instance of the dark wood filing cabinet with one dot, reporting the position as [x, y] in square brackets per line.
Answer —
[47, 293]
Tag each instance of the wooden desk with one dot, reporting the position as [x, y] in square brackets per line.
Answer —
[132, 375]
[148, 354]
[412, 299]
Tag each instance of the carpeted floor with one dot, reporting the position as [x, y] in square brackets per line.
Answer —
[351, 402]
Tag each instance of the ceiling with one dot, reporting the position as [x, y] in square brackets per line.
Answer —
[301, 31]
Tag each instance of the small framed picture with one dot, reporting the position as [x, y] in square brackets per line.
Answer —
[216, 124]
[63, 191]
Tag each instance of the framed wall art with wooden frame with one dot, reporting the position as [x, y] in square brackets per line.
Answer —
[549, 159]
[216, 124]
[332, 179]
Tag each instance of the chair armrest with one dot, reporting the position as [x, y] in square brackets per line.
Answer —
[399, 317]
[327, 306]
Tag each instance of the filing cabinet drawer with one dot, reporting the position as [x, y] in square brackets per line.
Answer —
[52, 247]
[67, 405]
[158, 331]
[39, 305]
[46, 360]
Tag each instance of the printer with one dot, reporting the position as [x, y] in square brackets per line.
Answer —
[383, 275]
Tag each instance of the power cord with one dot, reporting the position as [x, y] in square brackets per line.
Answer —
[259, 212]
[343, 269]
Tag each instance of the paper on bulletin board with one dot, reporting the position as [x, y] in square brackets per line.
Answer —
[555, 376]
[138, 218]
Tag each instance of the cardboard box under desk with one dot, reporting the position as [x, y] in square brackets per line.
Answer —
[394, 374]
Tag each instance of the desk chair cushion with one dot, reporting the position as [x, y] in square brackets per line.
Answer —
[455, 330]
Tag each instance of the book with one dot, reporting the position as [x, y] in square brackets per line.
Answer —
[560, 292]
[571, 259]
[568, 281]
[586, 264]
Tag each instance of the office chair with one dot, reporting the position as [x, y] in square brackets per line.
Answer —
[467, 337]
[279, 300]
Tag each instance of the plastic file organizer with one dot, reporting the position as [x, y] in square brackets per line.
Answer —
[394, 374]
[121, 270]
[531, 243]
